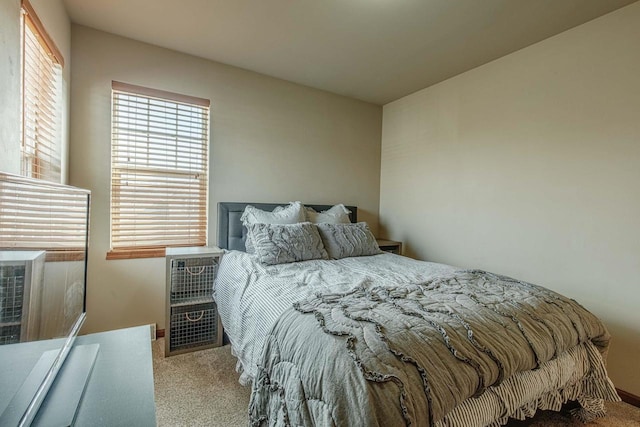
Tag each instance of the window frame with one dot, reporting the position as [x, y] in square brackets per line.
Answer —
[118, 251]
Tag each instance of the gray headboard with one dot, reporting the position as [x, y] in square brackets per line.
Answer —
[231, 232]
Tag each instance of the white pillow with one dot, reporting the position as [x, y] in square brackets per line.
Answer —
[291, 214]
[337, 214]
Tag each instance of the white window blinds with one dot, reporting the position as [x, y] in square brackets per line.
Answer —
[159, 157]
[41, 99]
[38, 215]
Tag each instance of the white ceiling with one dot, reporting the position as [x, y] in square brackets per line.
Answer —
[373, 50]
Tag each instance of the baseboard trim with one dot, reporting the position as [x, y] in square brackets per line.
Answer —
[159, 333]
[626, 397]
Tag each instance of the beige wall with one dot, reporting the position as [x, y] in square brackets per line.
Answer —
[10, 86]
[271, 141]
[530, 166]
[54, 17]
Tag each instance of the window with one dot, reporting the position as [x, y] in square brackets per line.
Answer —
[159, 146]
[36, 214]
[41, 98]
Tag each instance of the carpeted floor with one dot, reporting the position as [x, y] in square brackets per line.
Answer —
[202, 389]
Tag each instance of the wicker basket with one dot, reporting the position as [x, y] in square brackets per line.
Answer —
[192, 278]
[193, 326]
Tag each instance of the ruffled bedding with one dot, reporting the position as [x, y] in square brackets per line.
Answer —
[386, 340]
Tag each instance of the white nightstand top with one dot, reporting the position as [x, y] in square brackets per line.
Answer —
[194, 250]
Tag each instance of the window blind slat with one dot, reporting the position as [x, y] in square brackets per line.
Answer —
[159, 166]
[132, 108]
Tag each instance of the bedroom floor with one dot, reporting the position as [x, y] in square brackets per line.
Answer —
[202, 389]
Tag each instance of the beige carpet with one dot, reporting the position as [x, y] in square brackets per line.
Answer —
[202, 389]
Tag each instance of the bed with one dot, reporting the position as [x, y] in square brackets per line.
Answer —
[385, 340]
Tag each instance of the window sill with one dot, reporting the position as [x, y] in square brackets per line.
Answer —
[136, 253]
[61, 256]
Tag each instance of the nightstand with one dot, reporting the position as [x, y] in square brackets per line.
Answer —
[192, 316]
[390, 246]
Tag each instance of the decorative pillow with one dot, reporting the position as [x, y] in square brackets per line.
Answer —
[282, 243]
[337, 214]
[290, 214]
[347, 240]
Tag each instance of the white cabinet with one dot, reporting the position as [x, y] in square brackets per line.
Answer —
[192, 315]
